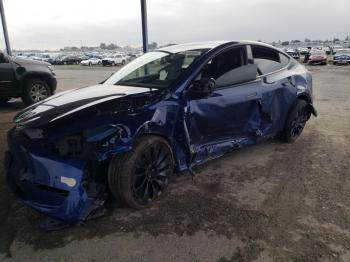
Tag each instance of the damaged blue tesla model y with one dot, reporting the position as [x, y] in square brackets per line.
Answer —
[169, 110]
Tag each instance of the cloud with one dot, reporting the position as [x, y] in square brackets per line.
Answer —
[54, 24]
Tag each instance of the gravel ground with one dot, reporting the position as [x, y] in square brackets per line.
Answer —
[270, 202]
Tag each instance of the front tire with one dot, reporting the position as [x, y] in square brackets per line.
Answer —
[34, 91]
[296, 121]
[138, 177]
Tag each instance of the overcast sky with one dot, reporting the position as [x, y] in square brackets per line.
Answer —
[52, 24]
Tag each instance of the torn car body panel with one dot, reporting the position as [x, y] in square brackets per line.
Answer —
[60, 148]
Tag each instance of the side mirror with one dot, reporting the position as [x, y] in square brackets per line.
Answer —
[201, 88]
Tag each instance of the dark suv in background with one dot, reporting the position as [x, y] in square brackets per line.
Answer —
[33, 81]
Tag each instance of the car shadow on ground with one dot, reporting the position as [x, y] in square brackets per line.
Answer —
[13, 105]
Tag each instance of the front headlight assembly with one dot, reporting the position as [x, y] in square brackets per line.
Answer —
[91, 141]
[50, 67]
[70, 146]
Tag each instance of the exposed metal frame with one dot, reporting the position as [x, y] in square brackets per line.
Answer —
[4, 28]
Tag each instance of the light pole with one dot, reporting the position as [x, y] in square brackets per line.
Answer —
[144, 26]
[4, 28]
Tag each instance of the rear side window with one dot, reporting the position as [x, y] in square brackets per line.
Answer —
[284, 60]
[266, 59]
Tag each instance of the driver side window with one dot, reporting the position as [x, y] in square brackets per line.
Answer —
[226, 68]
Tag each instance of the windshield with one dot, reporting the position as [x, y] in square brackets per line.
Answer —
[318, 52]
[345, 51]
[156, 69]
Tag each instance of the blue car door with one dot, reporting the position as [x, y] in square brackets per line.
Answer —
[278, 89]
[230, 116]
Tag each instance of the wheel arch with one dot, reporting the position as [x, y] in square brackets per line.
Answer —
[47, 78]
[307, 98]
[143, 135]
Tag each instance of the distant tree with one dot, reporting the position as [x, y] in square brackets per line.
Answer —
[74, 48]
[112, 46]
[347, 38]
[274, 43]
[307, 40]
[284, 43]
[103, 46]
[335, 40]
[295, 41]
[152, 45]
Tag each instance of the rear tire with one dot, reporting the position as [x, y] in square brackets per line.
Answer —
[296, 121]
[34, 91]
[138, 177]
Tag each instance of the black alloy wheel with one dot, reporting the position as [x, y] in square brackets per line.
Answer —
[140, 176]
[297, 118]
[298, 123]
[151, 172]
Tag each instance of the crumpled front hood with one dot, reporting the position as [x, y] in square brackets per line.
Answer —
[70, 102]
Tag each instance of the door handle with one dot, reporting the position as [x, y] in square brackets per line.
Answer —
[264, 79]
[252, 95]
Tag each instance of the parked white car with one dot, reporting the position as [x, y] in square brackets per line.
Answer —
[116, 59]
[91, 61]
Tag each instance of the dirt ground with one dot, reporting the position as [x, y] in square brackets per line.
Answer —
[270, 202]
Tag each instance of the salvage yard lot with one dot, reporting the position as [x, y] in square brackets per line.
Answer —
[270, 202]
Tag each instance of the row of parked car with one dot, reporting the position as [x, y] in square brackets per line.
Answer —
[320, 55]
[112, 60]
[83, 59]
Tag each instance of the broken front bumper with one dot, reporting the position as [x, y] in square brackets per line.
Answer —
[44, 182]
